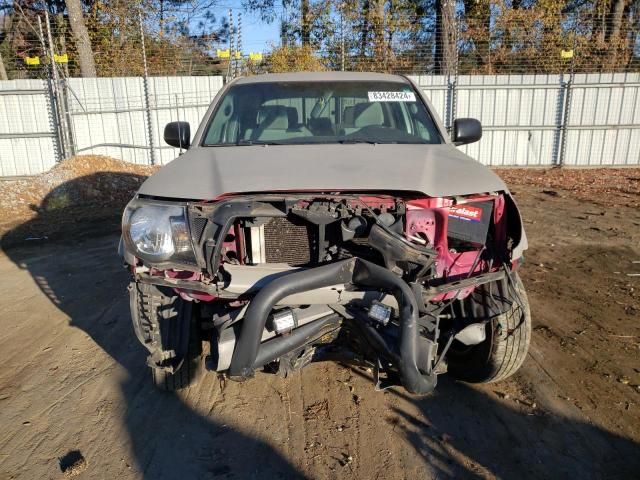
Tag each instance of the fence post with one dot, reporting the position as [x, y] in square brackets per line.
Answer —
[230, 66]
[239, 46]
[452, 92]
[53, 121]
[565, 104]
[559, 121]
[62, 103]
[54, 116]
[562, 120]
[70, 132]
[565, 120]
[145, 88]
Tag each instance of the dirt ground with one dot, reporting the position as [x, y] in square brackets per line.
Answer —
[75, 395]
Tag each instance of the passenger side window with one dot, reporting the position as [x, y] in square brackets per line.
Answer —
[421, 123]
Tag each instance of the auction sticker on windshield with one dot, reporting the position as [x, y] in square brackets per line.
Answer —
[392, 97]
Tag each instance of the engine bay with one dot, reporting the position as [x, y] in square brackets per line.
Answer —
[426, 240]
[280, 278]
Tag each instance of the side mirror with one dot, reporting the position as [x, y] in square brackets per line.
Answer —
[466, 130]
[178, 134]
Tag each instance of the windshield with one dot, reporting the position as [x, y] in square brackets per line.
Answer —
[320, 112]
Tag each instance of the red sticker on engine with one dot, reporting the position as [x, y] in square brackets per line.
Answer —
[466, 212]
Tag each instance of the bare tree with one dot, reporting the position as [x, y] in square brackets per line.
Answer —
[364, 28]
[3, 71]
[445, 37]
[378, 28]
[614, 20]
[83, 42]
[305, 30]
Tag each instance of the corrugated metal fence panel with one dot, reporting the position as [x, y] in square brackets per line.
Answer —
[521, 116]
[26, 138]
[604, 120]
[179, 98]
[518, 116]
[108, 117]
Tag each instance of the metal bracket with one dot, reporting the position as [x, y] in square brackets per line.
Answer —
[382, 383]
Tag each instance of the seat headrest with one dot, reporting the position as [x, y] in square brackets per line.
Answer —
[274, 117]
[347, 116]
[292, 115]
[321, 126]
[366, 114]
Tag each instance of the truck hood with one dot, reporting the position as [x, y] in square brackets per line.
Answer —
[205, 173]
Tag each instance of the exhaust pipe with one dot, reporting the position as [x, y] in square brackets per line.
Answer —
[354, 270]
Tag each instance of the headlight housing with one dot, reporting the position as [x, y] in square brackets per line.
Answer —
[158, 232]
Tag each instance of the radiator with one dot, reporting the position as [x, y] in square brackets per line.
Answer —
[290, 241]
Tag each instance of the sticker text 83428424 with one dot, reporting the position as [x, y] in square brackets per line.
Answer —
[392, 97]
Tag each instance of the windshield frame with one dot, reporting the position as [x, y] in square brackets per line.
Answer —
[204, 129]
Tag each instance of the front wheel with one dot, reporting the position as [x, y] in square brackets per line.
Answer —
[506, 345]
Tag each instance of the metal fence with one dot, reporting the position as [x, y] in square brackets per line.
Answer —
[115, 117]
[486, 37]
[528, 120]
[28, 140]
[545, 120]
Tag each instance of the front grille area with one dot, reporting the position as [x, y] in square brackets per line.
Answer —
[289, 242]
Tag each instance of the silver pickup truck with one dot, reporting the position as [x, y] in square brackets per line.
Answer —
[326, 216]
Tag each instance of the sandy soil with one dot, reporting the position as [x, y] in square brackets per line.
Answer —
[75, 396]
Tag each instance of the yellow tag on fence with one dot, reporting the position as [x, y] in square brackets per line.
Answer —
[223, 53]
[61, 58]
[32, 60]
[255, 57]
[566, 53]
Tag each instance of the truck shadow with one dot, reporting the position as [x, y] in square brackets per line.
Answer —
[465, 433]
[83, 276]
[462, 432]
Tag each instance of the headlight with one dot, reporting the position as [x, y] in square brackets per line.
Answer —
[158, 232]
[150, 230]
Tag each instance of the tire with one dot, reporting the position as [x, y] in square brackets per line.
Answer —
[185, 376]
[506, 345]
[160, 315]
[188, 373]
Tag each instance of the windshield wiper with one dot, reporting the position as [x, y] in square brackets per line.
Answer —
[357, 140]
[258, 142]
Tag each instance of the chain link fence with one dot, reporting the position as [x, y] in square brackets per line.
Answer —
[479, 37]
[550, 88]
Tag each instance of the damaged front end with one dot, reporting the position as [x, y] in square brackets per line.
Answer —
[393, 281]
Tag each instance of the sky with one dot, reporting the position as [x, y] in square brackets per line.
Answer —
[257, 36]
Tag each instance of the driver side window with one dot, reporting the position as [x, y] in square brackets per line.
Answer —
[224, 127]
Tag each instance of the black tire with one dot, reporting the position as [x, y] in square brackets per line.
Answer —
[161, 312]
[505, 348]
[188, 373]
[185, 376]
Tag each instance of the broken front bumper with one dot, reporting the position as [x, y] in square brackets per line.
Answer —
[333, 285]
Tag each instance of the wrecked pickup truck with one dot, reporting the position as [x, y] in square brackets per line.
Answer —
[326, 216]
